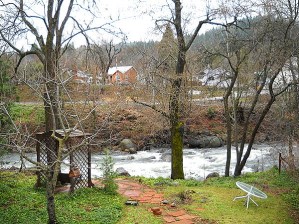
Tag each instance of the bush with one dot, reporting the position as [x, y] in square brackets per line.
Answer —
[211, 113]
[108, 174]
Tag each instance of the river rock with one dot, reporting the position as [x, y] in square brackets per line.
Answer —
[215, 142]
[211, 175]
[194, 143]
[211, 160]
[122, 172]
[165, 202]
[130, 157]
[128, 146]
[131, 202]
[131, 150]
[205, 142]
[146, 148]
[166, 156]
[164, 150]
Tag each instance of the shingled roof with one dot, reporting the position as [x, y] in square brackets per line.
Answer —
[121, 69]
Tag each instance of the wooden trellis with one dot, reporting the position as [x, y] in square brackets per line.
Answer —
[79, 156]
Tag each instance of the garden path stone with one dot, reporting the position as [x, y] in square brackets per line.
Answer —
[140, 193]
[134, 190]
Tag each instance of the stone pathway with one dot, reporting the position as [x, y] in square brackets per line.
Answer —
[138, 192]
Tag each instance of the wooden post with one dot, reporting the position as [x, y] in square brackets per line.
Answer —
[38, 181]
[73, 183]
[90, 184]
[279, 163]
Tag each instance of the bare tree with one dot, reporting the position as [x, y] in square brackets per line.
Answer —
[106, 57]
[175, 110]
[51, 25]
[265, 44]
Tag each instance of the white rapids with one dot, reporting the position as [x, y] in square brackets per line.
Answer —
[198, 163]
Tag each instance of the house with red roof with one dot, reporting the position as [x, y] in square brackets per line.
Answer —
[123, 75]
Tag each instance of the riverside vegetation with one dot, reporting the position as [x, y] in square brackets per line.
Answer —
[138, 123]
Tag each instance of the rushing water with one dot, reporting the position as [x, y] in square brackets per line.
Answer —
[198, 163]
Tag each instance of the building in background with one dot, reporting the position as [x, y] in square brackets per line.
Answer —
[122, 75]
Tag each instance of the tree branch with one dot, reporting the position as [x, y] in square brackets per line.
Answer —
[152, 107]
[33, 30]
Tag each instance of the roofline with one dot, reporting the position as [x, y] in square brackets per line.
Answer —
[110, 74]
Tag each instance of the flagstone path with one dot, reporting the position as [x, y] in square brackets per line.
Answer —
[138, 192]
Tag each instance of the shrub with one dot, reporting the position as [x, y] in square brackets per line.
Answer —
[108, 174]
[211, 113]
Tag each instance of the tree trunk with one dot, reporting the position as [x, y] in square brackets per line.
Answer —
[240, 165]
[52, 175]
[51, 68]
[51, 104]
[175, 104]
[291, 157]
[228, 123]
[50, 199]
[177, 126]
[177, 130]
[228, 137]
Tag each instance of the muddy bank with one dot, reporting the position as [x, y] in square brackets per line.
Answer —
[148, 129]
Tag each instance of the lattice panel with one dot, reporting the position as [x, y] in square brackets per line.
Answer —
[79, 156]
[47, 154]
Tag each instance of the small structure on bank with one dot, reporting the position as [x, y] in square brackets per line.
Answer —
[79, 157]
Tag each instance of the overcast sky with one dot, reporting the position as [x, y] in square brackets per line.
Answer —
[137, 17]
[134, 21]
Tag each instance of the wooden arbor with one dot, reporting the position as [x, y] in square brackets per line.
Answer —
[79, 156]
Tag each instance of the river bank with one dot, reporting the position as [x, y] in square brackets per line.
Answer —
[143, 126]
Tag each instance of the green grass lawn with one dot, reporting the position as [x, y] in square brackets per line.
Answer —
[21, 203]
[140, 215]
[217, 204]
[211, 200]
[27, 113]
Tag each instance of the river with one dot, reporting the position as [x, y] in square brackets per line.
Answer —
[198, 163]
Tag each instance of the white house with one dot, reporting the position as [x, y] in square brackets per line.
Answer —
[215, 77]
[287, 74]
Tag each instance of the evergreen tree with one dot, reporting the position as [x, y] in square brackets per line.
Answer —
[167, 51]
